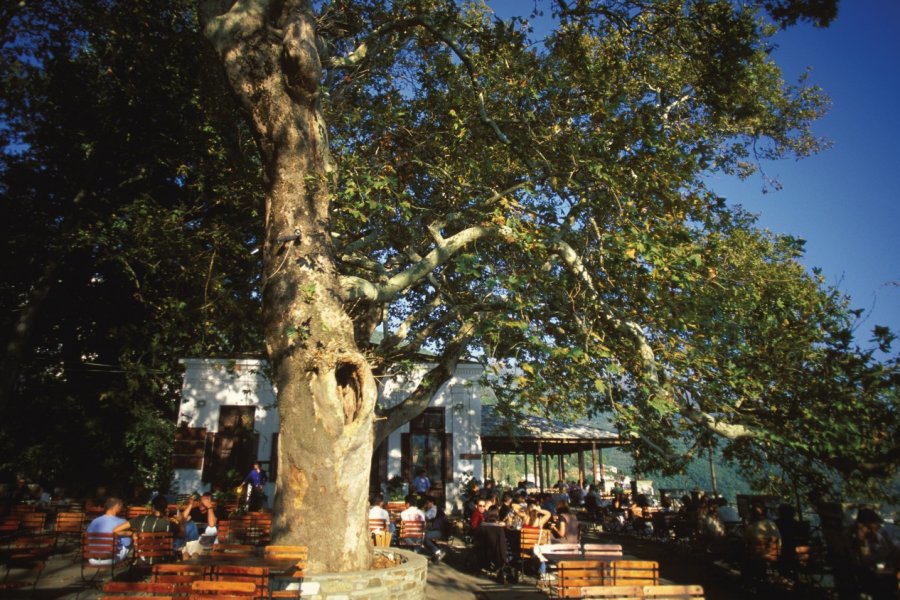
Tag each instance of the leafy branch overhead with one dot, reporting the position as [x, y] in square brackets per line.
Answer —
[555, 188]
[529, 191]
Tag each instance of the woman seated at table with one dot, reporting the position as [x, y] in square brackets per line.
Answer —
[564, 525]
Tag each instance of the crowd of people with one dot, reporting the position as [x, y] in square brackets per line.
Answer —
[761, 539]
[194, 520]
[192, 523]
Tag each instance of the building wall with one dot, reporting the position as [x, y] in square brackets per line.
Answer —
[461, 399]
[210, 384]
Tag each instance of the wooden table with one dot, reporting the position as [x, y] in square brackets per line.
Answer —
[557, 557]
[277, 567]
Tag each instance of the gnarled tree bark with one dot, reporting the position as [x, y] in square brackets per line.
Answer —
[325, 389]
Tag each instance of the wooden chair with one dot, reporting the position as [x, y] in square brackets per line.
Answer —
[634, 572]
[70, 525]
[32, 523]
[92, 509]
[28, 553]
[254, 528]
[22, 509]
[673, 592]
[619, 592]
[153, 547]
[181, 574]
[223, 528]
[294, 581]
[229, 507]
[394, 509]
[379, 532]
[98, 551]
[230, 590]
[258, 576]
[573, 575]
[116, 590]
[137, 511]
[412, 534]
[529, 537]
[9, 528]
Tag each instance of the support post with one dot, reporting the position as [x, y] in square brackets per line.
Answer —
[540, 467]
[581, 469]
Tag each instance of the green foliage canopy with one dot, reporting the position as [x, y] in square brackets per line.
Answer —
[539, 203]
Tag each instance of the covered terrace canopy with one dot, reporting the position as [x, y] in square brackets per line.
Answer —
[543, 438]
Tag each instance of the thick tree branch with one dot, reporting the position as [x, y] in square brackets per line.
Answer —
[357, 287]
[393, 417]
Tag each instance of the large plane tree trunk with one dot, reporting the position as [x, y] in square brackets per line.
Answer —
[325, 389]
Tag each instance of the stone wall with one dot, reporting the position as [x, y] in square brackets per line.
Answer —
[405, 581]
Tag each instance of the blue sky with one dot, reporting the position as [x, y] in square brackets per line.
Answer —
[845, 202]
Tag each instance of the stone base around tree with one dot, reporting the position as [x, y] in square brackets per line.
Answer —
[405, 581]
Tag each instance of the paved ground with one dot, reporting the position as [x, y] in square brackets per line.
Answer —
[453, 580]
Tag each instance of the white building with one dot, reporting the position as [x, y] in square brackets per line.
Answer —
[228, 418]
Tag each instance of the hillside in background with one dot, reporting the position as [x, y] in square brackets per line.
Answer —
[697, 475]
[508, 470]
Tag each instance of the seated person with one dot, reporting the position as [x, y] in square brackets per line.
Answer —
[874, 557]
[377, 512]
[762, 543]
[564, 528]
[200, 519]
[438, 524]
[158, 521]
[106, 523]
[414, 513]
[491, 551]
[478, 515]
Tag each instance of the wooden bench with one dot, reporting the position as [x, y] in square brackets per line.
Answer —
[116, 590]
[619, 592]
[259, 576]
[636, 592]
[181, 575]
[574, 575]
[634, 572]
[673, 592]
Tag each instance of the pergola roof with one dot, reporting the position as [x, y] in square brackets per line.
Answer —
[527, 434]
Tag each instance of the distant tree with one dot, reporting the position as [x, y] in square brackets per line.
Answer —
[130, 211]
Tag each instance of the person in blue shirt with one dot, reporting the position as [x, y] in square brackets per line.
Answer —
[105, 523]
[257, 480]
[421, 484]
